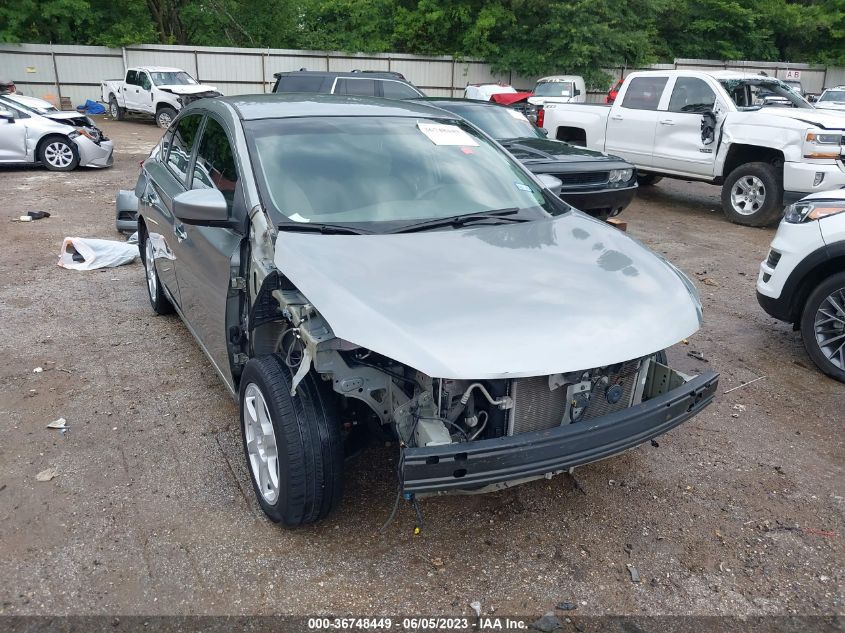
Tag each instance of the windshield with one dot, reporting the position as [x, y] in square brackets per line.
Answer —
[38, 108]
[498, 121]
[755, 93]
[554, 89]
[177, 78]
[833, 95]
[384, 171]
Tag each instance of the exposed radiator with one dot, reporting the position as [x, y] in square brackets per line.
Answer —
[537, 408]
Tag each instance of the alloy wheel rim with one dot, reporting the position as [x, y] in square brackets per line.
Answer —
[113, 110]
[149, 266]
[58, 154]
[829, 327]
[164, 120]
[748, 195]
[261, 443]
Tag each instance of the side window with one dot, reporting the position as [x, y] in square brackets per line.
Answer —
[691, 94]
[356, 87]
[132, 77]
[144, 81]
[17, 114]
[398, 90]
[181, 145]
[644, 93]
[215, 166]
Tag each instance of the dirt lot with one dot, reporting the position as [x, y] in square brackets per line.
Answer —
[739, 511]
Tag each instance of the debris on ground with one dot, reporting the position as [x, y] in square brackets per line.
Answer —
[476, 606]
[47, 474]
[566, 606]
[739, 407]
[547, 623]
[697, 355]
[61, 423]
[35, 215]
[132, 239]
[745, 384]
[707, 281]
[635, 575]
[37, 370]
[88, 253]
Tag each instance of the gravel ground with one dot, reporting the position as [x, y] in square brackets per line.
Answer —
[740, 511]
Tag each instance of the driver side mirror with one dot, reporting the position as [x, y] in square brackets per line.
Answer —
[550, 182]
[203, 207]
[7, 115]
[708, 127]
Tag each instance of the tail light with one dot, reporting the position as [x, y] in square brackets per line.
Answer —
[541, 116]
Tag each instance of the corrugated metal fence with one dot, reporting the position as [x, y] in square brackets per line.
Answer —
[75, 72]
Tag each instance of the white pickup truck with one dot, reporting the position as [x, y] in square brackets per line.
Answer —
[154, 90]
[751, 134]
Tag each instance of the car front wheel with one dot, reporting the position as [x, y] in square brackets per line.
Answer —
[59, 154]
[293, 444]
[823, 326]
[164, 117]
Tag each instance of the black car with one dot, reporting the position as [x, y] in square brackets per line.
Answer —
[360, 83]
[593, 182]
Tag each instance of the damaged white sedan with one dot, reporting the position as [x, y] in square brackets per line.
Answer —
[358, 268]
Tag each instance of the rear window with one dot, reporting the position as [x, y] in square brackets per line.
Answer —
[644, 93]
[299, 83]
[398, 90]
[356, 87]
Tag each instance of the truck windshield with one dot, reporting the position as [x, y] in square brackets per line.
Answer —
[833, 95]
[754, 93]
[385, 172]
[499, 122]
[180, 78]
[554, 89]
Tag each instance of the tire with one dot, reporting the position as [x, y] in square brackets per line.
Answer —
[158, 300]
[58, 153]
[115, 111]
[165, 116]
[829, 297]
[752, 194]
[305, 433]
[648, 180]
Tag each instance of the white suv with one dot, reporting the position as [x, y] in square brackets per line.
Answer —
[802, 281]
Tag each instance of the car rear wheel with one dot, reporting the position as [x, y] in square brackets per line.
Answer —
[752, 194]
[115, 111]
[292, 444]
[158, 300]
[165, 116]
[58, 153]
[823, 326]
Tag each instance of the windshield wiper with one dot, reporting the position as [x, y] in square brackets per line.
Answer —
[320, 227]
[462, 220]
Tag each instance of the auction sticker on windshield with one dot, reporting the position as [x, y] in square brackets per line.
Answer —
[441, 134]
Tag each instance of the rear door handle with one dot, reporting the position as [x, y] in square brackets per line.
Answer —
[179, 232]
[616, 117]
[667, 122]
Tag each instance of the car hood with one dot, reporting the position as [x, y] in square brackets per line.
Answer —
[191, 89]
[830, 105]
[823, 119]
[530, 150]
[535, 100]
[71, 118]
[529, 299]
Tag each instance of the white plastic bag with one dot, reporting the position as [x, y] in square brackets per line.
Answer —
[95, 253]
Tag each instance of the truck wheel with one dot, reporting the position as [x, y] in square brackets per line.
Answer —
[823, 326]
[647, 180]
[165, 116]
[292, 444]
[115, 111]
[58, 153]
[753, 194]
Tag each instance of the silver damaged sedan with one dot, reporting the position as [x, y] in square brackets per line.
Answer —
[360, 269]
[34, 131]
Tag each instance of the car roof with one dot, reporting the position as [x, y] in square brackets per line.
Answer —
[556, 78]
[159, 69]
[290, 105]
[457, 101]
[369, 74]
[716, 74]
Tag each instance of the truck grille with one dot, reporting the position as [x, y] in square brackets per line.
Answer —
[537, 408]
[583, 178]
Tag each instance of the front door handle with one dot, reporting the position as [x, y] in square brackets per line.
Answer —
[667, 122]
[179, 232]
[616, 117]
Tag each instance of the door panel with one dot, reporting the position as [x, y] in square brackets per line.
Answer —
[143, 94]
[632, 123]
[12, 139]
[677, 142]
[206, 254]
